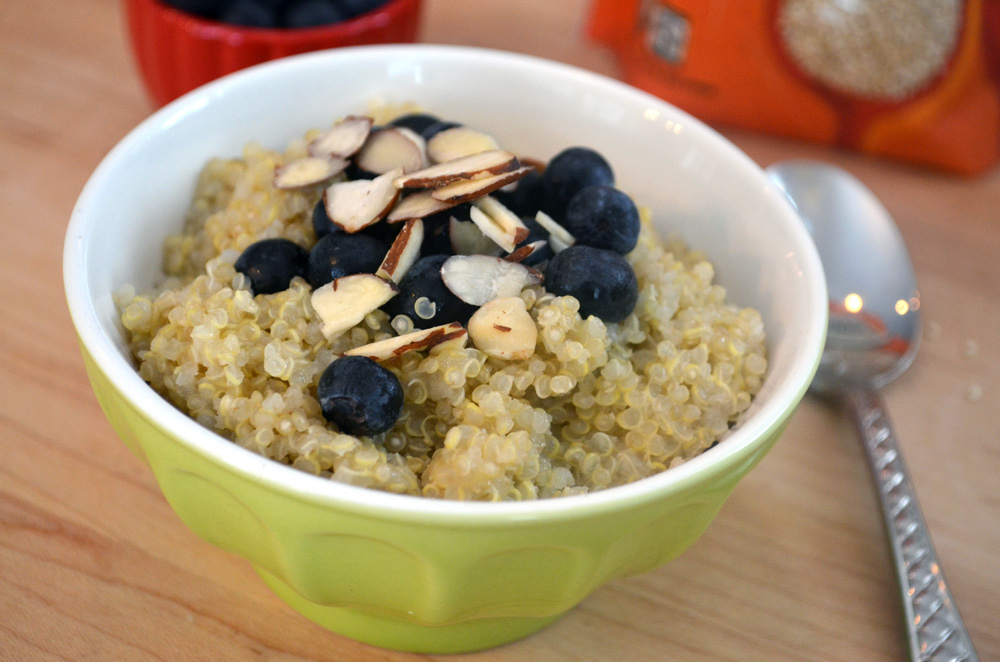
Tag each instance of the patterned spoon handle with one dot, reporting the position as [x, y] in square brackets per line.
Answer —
[936, 632]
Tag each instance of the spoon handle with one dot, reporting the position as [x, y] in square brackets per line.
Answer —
[935, 629]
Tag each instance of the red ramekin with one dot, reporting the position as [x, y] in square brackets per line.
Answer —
[177, 52]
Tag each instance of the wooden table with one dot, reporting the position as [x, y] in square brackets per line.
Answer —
[95, 566]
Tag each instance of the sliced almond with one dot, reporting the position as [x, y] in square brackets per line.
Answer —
[463, 191]
[425, 339]
[419, 141]
[478, 279]
[559, 237]
[344, 138]
[524, 252]
[343, 302]
[504, 217]
[558, 245]
[492, 162]
[467, 239]
[353, 206]
[307, 171]
[503, 329]
[420, 204]
[492, 230]
[404, 251]
[498, 223]
[390, 149]
[457, 142]
[538, 164]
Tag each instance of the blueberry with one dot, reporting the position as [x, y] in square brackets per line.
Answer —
[312, 13]
[250, 13]
[415, 122]
[437, 229]
[568, 173]
[424, 298]
[322, 224]
[359, 396]
[270, 264]
[341, 254]
[355, 172]
[437, 238]
[536, 233]
[206, 8]
[358, 7]
[602, 281]
[274, 5]
[383, 231]
[437, 128]
[527, 197]
[603, 217]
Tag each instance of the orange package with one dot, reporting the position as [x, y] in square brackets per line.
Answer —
[917, 80]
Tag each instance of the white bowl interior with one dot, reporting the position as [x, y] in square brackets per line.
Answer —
[696, 183]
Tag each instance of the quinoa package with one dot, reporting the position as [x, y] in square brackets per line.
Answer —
[917, 80]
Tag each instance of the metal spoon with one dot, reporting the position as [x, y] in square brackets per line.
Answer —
[873, 336]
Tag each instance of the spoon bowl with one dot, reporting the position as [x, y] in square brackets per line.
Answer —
[874, 323]
[873, 335]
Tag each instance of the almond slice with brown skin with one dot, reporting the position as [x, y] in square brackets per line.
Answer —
[505, 218]
[417, 205]
[498, 223]
[344, 138]
[527, 250]
[537, 163]
[344, 302]
[483, 164]
[466, 190]
[405, 250]
[492, 230]
[478, 279]
[308, 171]
[353, 206]
[388, 149]
[457, 142]
[425, 339]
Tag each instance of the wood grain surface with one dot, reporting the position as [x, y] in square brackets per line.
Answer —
[95, 566]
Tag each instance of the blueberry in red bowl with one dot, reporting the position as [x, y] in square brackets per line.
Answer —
[276, 14]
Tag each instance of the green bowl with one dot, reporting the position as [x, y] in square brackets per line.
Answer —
[419, 574]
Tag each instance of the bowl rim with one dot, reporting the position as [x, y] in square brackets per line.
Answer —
[300, 485]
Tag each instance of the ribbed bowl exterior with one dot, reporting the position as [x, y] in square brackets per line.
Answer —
[415, 584]
[177, 52]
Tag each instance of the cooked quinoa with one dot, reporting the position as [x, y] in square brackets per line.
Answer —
[597, 405]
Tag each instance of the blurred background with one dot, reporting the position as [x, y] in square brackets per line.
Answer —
[95, 566]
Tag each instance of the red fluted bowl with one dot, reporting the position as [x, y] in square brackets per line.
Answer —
[177, 52]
